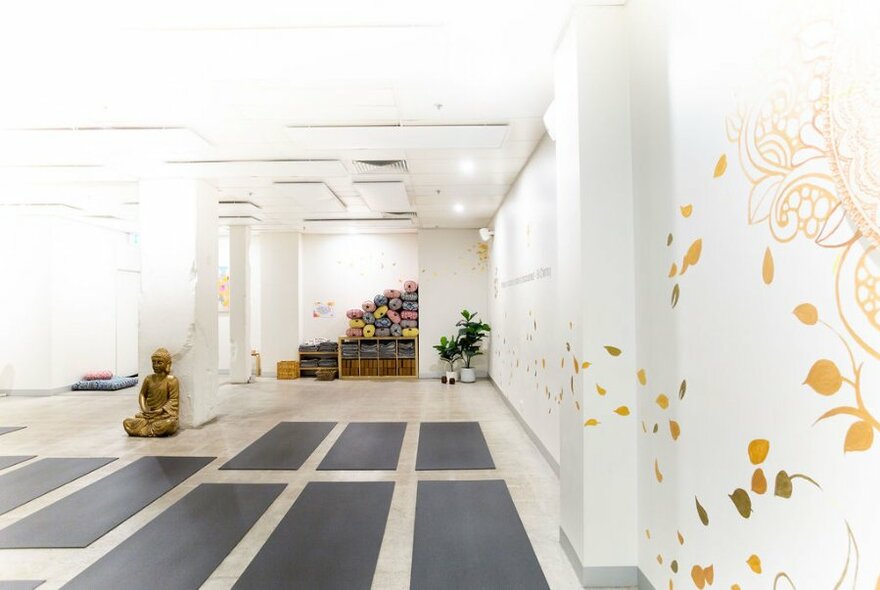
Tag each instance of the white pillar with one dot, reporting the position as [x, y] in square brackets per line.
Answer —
[178, 304]
[239, 304]
[279, 299]
[596, 274]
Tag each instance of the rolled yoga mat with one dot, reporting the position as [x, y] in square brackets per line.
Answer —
[41, 477]
[409, 324]
[410, 296]
[383, 323]
[396, 330]
[393, 316]
[10, 460]
[214, 517]
[468, 534]
[409, 315]
[285, 447]
[410, 332]
[354, 332]
[83, 517]
[380, 300]
[330, 538]
[391, 293]
[395, 304]
[356, 323]
[8, 429]
[369, 318]
[411, 305]
[369, 331]
[354, 314]
[380, 311]
[383, 332]
[452, 445]
[410, 286]
[366, 446]
[368, 306]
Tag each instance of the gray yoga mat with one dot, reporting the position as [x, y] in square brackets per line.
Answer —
[366, 446]
[452, 445]
[20, 584]
[88, 514]
[329, 539]
[181, 547]
[469, 535]
[10, 460]
[8, 429]
[285, 447]
[41, 477]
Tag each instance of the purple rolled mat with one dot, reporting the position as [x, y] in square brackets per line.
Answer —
[391, 293]
[393, 316]
[410, 286]
[368, 306]
[354, 314]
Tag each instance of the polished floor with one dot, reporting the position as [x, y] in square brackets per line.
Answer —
[89, 424]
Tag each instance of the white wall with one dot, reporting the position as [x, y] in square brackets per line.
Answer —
[525, 358]
[279, 296]
[349, 269]
[223, 343]
[452, 277]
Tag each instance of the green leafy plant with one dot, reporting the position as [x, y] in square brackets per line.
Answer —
[471, 333]
[449, 351]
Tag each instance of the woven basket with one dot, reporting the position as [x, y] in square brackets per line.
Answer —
[287, 370]
[325, 374]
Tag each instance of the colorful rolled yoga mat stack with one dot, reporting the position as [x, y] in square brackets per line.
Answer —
[391, 313]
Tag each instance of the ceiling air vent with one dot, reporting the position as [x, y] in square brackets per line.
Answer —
[379, 166]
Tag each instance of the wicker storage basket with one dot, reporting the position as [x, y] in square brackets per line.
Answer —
[288, 370]
[325, 374]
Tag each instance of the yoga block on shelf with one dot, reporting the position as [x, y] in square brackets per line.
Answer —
[288, 370]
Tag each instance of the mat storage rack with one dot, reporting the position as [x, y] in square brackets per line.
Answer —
[312, 371]
[378, 358]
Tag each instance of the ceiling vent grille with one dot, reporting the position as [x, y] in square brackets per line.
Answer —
[380, 166]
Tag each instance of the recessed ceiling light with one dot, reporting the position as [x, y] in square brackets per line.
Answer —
[467, 166]
[458, 208]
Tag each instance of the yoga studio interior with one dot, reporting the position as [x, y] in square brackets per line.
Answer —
[461, 295]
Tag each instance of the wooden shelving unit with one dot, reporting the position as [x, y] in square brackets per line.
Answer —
[310, 371]
[372, 365]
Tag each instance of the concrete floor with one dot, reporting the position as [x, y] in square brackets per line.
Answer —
[80, 424]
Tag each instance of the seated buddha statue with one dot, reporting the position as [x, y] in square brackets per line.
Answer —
[159, 401]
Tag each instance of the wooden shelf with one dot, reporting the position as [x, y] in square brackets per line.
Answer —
[374, 366]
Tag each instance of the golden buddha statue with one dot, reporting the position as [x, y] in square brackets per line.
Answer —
[159, 401]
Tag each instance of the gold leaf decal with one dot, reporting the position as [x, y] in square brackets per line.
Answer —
[709, 573]
[758, 450]
[600, 390]
[673, 270]
[592, 422]
[662, 401]
[657, 473]
[754, 563]
[674, 566]
[859, 437]
[735, 587]
[643, 379]
[622, 410]
[562, 364]
[824, 377]
[543, 363]
[759, 482]
[577, 404]
[669, 240]
[648, 533]
[692, 257]
[680, 538]
[721, 166]
[576, 365]
[742, 501]
[644, 427]
[613, 350]
[659, 559]
[674, 429]
[807, 314]
[675, 294]
[586, 365]
[686, 210]
[767, 270]
[682, 389]
[656, 427]
[698, 577]
[701, 512]
[783, 485]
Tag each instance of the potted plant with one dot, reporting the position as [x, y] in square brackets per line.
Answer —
[449, 351]
[471, 333]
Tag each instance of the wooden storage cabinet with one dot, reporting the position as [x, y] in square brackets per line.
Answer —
[312, 371]
[378, 358]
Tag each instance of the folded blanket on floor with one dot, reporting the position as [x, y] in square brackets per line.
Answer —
[383, 332]
[393, 316]
[105, 384]
[353, 333]
[410, 296]
[369, 331]
[354, 314]
[369, 318]
[391, 293]
[410, 286]
[409, 315]
[396, 330]
[395, 303]
[98, 376]
[409, 324]
[368, 306]
[380, 300]
[410, 332]
[380, 311]
[356, 323]
[383, 323]
[411, 305]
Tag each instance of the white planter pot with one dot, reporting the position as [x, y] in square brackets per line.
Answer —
[452, 375]
[468, 375]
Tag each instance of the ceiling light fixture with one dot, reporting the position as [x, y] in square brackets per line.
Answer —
[467, 167]
[486, 233]
[458, 208]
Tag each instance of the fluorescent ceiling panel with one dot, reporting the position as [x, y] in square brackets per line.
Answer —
[399, 137]
[269, 168]
[384, 197]
[59, 174]
[311, 196]
[358, 225]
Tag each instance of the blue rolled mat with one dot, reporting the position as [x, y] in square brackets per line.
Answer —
[410, 296]
[411, 305]
[369, 318]
[380, 300]
[395, 303]
[383, 323]
[396, 330]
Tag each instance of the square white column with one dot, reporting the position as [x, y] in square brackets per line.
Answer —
[239, 304]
